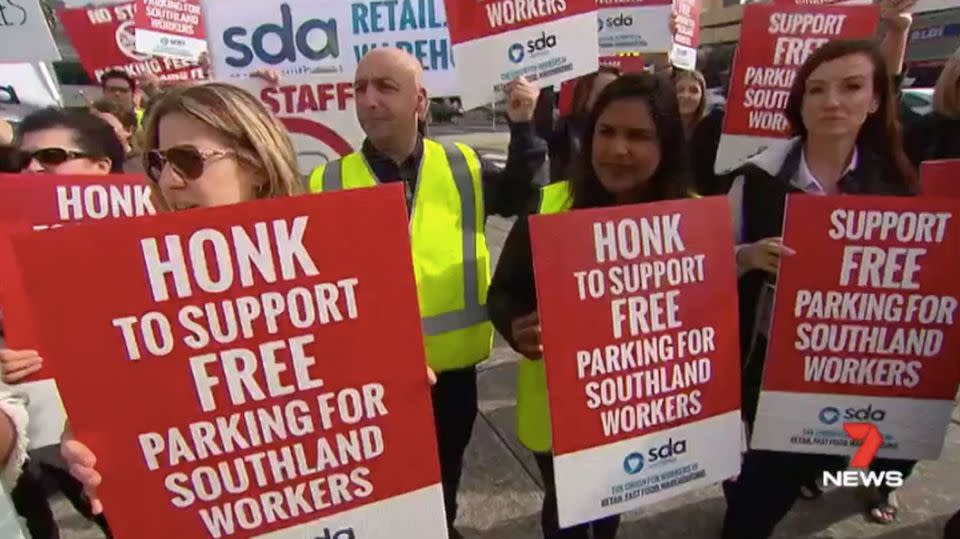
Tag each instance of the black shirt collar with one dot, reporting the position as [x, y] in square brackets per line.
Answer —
[386, 170]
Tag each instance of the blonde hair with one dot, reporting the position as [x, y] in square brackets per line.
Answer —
[701, 82]
[258, 137]
[946, 97]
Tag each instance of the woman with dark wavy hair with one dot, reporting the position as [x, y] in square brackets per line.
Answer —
[846, 141]
[633, 152]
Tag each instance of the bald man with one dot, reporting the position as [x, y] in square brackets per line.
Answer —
[450, 192]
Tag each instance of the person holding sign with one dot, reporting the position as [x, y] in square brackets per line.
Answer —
[57, 141]
[207, 145]
[843, 115]
[66, 142]
[633, 152]
[450, 192]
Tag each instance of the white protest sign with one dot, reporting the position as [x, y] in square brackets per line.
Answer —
[633, 26]
[496, 41]
[24, 34]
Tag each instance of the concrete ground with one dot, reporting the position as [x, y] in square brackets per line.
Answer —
[500, 496]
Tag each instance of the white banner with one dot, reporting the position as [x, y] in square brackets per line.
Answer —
[912, 429]
[318, 111]
[610, 479]
[295, 38]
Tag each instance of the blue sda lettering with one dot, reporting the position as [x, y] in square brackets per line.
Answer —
[292, 40]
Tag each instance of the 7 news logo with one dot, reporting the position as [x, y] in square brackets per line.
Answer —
[861, 475]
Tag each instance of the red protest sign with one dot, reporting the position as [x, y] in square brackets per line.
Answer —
[686, 39]
[863, 326]
[270, 375]
[104, 38]
[170, 29]
[781, 37]
[625, 62]
[42, 201]
[472, 20]
[940, 178]
[641, 349]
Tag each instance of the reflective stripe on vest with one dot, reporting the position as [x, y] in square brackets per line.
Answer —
[353, 171]
[533, 408]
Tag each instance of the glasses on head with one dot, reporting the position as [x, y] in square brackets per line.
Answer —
[50, 157]
[187, 161]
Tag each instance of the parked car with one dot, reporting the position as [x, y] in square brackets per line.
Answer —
[489, 110]
[919, 100]
[445, 111]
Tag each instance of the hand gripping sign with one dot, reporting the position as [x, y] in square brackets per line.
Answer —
[641, 352]
[780, 40]
[41, 202]
[864, 326]
[496, 41]
[247, 371]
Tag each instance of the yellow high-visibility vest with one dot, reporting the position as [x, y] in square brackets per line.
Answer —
[451, 262]
[533, 409]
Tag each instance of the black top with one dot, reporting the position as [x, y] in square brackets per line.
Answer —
[513, 291]
[931, 137]
[506, 192]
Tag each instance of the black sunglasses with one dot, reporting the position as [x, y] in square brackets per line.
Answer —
[187, 161]
[50, 157]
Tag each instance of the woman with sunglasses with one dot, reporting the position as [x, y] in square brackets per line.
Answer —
[58, 141]
[54, 141]
[199, 152]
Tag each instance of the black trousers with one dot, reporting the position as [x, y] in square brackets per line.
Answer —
[768, 485]
[454, 413]
[605, 528]
[29, 498]
[903, 466]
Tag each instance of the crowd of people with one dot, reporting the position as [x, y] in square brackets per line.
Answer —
[631, 138]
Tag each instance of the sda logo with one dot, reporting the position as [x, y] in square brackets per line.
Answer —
[831, 415]
[516, 53]
[620, 21]
[668, 450]
[633, 463]
[293, 41]
[346, 533]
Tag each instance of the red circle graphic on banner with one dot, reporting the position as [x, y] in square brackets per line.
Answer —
[320, 132]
